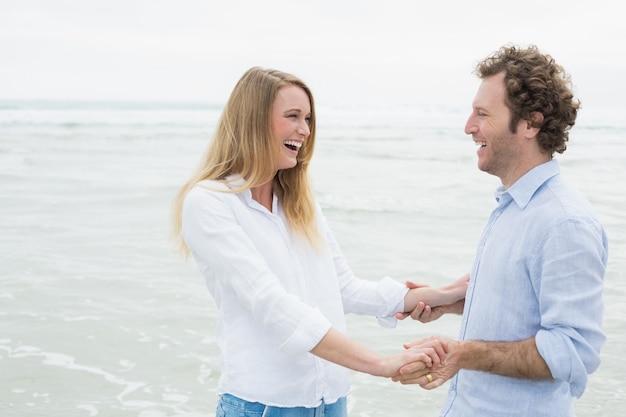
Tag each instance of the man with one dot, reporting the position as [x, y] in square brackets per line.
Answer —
[531, 328]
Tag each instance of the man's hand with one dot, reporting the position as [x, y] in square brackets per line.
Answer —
[433, 377]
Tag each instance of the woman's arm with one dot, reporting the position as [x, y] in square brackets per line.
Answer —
[434, 297]
[339, 349]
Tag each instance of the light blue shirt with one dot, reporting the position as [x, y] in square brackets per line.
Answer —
[538, 271]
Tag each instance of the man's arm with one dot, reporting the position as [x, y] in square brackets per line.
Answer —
[514, 359]
[519, 359]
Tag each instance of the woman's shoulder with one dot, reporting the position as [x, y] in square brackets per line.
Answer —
[213, 186]
[209, 189]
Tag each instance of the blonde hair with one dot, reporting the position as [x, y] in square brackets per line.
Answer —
[243, 146]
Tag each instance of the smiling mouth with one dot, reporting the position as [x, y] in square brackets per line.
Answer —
[293, 145]
[480, 145]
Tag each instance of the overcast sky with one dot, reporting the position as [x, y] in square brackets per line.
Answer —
[346, 50]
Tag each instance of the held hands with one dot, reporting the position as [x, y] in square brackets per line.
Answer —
[430, 377]
[417, 358]
[426, 314]
[432, 303]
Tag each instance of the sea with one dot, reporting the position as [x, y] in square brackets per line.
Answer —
[99, 316]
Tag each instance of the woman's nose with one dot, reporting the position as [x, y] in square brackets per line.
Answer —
[304, 129]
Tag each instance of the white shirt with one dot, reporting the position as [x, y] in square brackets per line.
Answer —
[277, 297]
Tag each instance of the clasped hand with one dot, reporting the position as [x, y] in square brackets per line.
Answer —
[435, 302]
[430, 377]
[419, 357]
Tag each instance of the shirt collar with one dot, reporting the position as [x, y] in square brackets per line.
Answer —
[524, 188]
[234, 181]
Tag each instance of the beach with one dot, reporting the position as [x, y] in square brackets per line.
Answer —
[101, 318]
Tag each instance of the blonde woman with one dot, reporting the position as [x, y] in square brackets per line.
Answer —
[249, 219]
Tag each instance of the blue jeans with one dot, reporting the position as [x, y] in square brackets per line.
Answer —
[231, 406]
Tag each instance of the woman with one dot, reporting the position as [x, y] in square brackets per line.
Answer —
[282, 287]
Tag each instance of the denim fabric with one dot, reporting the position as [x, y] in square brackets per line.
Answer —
[231, 406]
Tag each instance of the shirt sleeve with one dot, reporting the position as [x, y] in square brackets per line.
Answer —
[215, 237]
[382, 299]
[568, 278]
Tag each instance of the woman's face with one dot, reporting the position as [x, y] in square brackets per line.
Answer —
[291, 114]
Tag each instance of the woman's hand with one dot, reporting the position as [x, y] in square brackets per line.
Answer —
[427, 353]
[430, 378]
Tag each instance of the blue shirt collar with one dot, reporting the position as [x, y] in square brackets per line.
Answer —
[523, 189]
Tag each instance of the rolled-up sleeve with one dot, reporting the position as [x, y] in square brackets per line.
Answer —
[571, 262]
[234, 268]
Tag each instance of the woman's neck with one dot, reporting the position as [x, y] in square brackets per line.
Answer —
[264, 195]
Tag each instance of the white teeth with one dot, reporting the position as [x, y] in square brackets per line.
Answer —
[480, 144]
[293, 143]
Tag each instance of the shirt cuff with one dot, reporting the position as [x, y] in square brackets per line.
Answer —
[562, 359]
[308, 334]
[393, 293]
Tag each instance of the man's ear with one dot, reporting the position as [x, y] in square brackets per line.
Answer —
[536, 119]
[534, 123]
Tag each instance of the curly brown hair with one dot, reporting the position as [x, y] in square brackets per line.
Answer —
[534, 82]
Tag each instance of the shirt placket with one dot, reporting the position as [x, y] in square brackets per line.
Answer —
[503, 201]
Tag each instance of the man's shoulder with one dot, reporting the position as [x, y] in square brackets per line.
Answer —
[565, 197]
